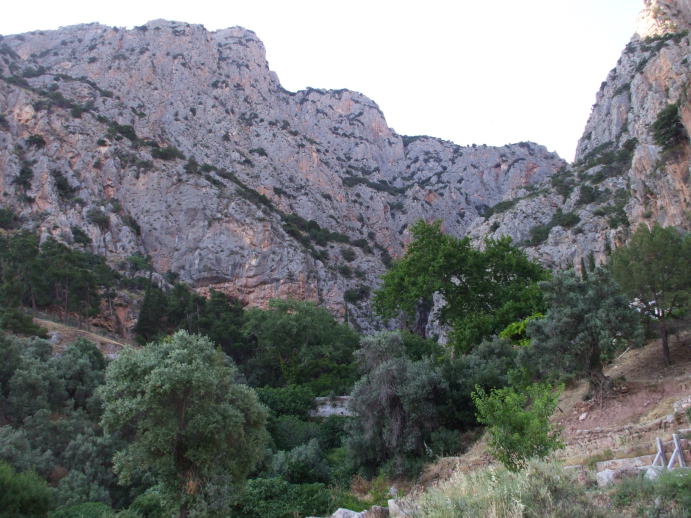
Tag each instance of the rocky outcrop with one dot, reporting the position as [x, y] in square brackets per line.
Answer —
[179, 143]
[175, 142]
[621, 178]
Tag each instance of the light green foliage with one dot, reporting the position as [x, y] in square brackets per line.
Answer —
[587, 321]
[518, 422]
[23, 495]
[196, 430]
[395, 402]
[304, 463]
[516, 332]
[300, 343]
[539, 491]
[654, 268]
[485, 290]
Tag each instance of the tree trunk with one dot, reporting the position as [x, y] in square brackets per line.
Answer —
[600, 385]
[184, 511]
[422, 311]
[665, 343]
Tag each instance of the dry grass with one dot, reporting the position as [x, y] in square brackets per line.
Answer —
[70, 334]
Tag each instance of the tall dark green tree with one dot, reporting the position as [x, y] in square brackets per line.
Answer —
[297, 342]
[485, 290]
[654, 268]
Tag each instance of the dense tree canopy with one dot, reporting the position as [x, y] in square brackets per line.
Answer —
[296, 342]
[654, 268]
[195, 429]
[485, 290]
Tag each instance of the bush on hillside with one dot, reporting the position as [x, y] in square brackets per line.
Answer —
[518, 423]
[540, 491]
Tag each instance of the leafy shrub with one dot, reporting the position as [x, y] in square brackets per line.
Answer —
[8, 218]
[500, 207]
[355, 295]
[65, 190]
[23, 494]
[348, 254]
[122, 130]
[16, 321]
[668, 129]
[541, 490]
[276, 498]
[84, 510]
[260, 151]
[563, 182]
[98, 217]
[588, 194]
[669, 495]
[518, 423]
[296, 400]
[289, 431]
[129, 220]
[302, 464]
[25, 176]
[36, 141]
[539, 233]
[167, 153]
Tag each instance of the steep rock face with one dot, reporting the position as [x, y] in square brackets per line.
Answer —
[179, 143]
[620, 177]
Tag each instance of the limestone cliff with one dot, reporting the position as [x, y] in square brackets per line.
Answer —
[621, 177]
[179, 143]
[175, 142]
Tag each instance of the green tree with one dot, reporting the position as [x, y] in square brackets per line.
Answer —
[151, 322]
[193, 427]
[668, 129]
[485, 290]
[654, 268]
[518, 422]
[298, 342]
[396, 402]
[586, 320]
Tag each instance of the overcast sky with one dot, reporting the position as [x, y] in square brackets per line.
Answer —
[480, 71]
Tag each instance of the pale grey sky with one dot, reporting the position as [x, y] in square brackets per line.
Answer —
[480, 71]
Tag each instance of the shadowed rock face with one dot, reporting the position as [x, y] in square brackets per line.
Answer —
[193, 153]
[180, 143]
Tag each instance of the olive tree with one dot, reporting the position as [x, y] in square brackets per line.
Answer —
[586, 320]
[654, 268]
[192, 426]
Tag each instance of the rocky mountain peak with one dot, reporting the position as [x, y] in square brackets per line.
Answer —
[660, 17]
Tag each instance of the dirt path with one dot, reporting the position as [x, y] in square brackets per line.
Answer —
[66, 335]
